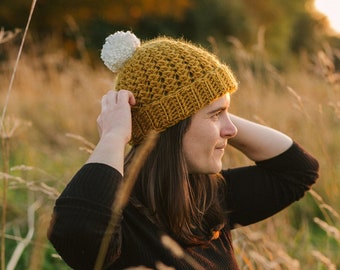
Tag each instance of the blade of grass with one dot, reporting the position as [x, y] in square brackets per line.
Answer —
[5, 141]
[123, 194]
[16, 64]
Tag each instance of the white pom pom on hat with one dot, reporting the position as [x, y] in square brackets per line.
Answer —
[118, 48]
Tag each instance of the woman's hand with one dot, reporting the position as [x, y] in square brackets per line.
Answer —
[256, 141]
[115, 116]
[114, 123]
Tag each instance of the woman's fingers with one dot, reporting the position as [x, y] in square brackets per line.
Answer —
[115, 116]
[109, 100]
[125, 96]
[117, 97]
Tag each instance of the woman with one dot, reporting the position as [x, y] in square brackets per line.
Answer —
[183, 93]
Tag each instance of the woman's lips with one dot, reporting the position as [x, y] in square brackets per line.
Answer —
[221, 146]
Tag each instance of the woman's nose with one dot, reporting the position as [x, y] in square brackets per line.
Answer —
[228, 130]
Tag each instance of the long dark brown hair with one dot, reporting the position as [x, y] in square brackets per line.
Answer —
[185, 205]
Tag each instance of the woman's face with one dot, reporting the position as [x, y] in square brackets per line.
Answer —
[207, 137]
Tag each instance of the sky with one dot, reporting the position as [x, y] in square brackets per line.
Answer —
[330, 8]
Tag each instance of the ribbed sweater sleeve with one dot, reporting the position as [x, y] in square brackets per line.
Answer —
[257, 192]
[81, 215]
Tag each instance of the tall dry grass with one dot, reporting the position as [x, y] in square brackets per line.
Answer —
[303, 101]
[52, 118]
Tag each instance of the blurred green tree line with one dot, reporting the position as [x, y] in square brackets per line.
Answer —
[289, 26]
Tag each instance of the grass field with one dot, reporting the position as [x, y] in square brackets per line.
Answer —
[50, 127]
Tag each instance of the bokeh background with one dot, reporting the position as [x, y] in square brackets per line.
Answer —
[291, 26]
[285, 55]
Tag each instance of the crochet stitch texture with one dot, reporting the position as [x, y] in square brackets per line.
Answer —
[171, 80]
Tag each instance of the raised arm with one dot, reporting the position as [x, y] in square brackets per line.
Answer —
[284, 171]
[83, 209]
[258, 142]
[114, 124]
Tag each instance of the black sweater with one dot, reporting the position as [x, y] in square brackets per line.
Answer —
[252, 193]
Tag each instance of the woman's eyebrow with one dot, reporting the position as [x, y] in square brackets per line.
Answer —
[222, 108]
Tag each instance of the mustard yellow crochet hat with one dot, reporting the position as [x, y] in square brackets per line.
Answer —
[170, 79]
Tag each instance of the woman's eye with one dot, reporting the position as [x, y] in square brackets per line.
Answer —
[216, 115]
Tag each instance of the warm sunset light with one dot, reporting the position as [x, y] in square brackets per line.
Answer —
[331, 9]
